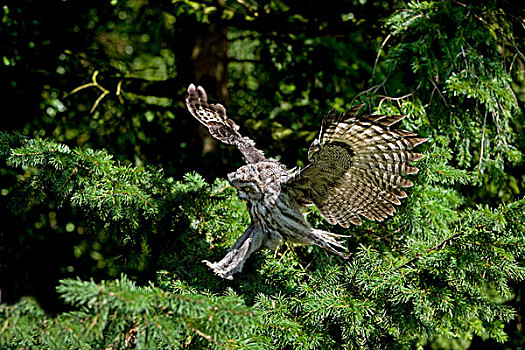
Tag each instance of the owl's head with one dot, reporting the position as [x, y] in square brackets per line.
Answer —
[247, 183]
[255, 182]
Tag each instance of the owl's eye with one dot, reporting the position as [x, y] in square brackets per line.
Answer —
[246, 189]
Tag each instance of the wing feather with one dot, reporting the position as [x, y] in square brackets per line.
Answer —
[214, 117]
[359, 164]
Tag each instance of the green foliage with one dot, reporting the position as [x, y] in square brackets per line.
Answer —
[100, 186]
[100, 177]
[461, 60]
[120, 203]
[119, 314]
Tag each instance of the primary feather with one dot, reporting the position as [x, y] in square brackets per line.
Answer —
[363, 161]
[214, 117]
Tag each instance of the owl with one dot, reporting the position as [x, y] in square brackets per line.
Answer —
[356, 167]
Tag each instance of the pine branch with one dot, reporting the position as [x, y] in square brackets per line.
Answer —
[118, 313]
[439, 246]
[87, 179]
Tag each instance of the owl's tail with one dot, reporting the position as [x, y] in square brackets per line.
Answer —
[329, 241]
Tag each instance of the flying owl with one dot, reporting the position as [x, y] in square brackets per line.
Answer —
[356, 167]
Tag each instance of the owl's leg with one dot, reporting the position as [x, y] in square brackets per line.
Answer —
[274, 241]
[233, 262]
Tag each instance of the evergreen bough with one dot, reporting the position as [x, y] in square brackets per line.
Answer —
[118, 314]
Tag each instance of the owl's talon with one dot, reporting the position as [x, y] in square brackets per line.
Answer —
[218, 272]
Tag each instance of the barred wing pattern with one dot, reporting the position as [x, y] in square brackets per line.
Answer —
[214, 117]
[356, 167]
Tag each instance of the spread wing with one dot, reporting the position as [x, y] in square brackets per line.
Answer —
[214, 117]
[356, 167]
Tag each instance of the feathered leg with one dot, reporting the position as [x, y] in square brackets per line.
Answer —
[233, 262]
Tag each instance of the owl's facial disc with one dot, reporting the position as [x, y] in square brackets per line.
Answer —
[247, 191]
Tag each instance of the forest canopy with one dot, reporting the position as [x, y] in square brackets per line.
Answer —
[112, 194]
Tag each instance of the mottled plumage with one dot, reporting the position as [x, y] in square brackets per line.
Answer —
[356, 170]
